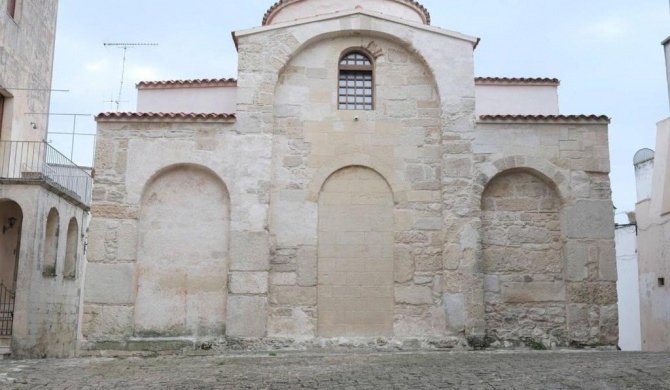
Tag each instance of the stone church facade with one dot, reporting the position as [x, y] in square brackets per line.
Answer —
[356, 181]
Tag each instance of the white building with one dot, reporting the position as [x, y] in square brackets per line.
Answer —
[652, 170]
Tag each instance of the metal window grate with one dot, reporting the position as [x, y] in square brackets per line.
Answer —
[356, 83]
[355, 90]
[6, 310]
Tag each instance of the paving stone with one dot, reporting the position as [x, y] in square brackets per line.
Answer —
[499, 370]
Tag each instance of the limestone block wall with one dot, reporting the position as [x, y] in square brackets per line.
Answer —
[178, 207]
[548, 250]
[403, 140]
[47, 306]
[441, 225]
[26, 61]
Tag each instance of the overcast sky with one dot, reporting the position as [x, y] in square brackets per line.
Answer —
[606, 53]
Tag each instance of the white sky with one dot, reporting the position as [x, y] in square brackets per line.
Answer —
[607, 54]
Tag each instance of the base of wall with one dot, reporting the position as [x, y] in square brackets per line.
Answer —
[192, 346]
[5, 347]
[198, 347]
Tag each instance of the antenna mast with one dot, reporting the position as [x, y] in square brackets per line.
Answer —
[125, 47]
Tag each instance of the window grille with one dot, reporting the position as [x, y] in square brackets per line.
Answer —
[356, 91]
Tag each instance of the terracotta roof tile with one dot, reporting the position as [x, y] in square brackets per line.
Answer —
[268, 15]
[188, 83]
[517, 80]
[546, 118]
[164, 115]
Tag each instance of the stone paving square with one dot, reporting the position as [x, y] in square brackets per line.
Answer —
[352, 370]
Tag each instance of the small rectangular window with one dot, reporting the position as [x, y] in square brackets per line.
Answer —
[2, 111]
[11, 8]
[661, 282]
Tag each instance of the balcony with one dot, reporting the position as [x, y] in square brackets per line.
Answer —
[37, 162]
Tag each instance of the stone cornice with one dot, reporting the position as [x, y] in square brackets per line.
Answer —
[343, 14]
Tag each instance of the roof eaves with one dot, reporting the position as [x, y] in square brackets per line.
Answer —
[548, 119]
[163, 116]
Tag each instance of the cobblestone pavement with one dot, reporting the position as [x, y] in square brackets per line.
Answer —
[418, 370]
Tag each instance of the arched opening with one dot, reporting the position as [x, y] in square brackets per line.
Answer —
[355, 255]
[11, 218]
[523, 259]
[70, 264]
[51, 244]
[182, 254]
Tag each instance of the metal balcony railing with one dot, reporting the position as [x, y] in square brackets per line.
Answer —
[37, 161]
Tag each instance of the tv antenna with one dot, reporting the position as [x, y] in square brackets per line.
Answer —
[125, 47]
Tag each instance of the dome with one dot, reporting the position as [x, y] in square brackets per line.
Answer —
[289, 10]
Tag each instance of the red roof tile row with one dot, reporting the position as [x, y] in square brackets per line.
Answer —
[517, 80]
[546, 118]
[231, 82]
[163, 115]
[188, 83]
[281, 3]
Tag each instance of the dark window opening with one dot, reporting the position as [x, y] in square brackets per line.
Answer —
[11, 8]
[661, 282]
[2, 111]
[355, 84]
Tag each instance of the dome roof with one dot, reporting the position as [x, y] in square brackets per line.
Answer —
[288, 10]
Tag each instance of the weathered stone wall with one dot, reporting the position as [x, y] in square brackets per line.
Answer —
[192, 213]
[289, 164]
[26, 61]
[47, 306]
[401, 139]
[182, 255]
[523, 260]
[573, 159]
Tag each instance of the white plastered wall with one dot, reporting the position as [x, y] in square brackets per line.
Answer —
[654, 251]
[517, 99]
[190, 99]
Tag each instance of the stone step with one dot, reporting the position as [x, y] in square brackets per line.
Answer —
[5, 347]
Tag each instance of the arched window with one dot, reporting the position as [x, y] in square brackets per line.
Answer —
[51, 244]
[356, 91]
[70, 265]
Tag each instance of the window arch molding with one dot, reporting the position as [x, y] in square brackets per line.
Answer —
[356, 80]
